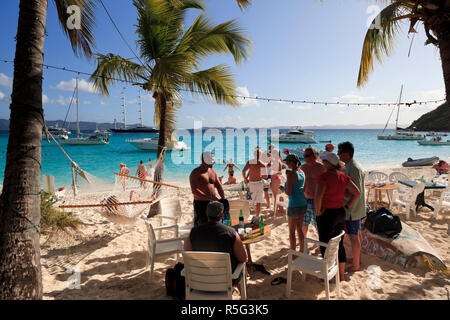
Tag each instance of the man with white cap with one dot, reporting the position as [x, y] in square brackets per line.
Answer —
[329, 201]
[204, 182]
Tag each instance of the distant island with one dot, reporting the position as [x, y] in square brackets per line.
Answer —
[435, 120]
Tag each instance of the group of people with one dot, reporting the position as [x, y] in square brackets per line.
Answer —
[327, 191]
[141, 172]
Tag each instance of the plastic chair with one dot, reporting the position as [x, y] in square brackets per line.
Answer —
[409, 199]
[444, 201]
[324, 268]
[162, 247]
[208, 276]
[171, 210]
[394, 177]
[236, 206]
[377, 176]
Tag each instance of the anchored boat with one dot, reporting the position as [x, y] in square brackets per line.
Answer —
[152, 144]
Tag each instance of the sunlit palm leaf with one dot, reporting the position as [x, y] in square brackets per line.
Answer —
[82, 40]
[243, 3]
[379, 42]
[111, 68]
[216, 82]
[203, 39]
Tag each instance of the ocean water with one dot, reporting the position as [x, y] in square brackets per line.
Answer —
[103, 161]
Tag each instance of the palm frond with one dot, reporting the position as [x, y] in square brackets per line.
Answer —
[203, 39]
[216, 82]
[243, 4]
[82, 40]
[379, 41]
[111, 68]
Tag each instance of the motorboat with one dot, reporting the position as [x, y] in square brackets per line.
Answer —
[152, 144]
[297, 136]
[58, 132]
[420, 162]
[436, 141]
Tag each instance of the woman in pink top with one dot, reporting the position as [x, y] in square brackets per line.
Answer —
[329, 200]
[312, 169]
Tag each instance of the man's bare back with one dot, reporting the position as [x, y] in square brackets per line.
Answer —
[203, 184]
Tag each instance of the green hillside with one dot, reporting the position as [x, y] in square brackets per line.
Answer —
[436, 120]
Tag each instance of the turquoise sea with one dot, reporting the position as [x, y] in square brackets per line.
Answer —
[103, 161]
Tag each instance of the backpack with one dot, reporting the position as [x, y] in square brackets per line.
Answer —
[384, 223]
[175, 283]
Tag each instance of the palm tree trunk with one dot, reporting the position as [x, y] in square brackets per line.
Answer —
[162, 123]
[444, 49]
[20, 269]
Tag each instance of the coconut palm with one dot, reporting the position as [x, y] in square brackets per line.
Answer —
[379, 41]
[170, 57]
[20, 270]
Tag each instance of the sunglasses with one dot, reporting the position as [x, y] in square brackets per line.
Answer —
[307, 155]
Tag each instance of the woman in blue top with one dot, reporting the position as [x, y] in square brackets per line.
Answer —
[297, 200]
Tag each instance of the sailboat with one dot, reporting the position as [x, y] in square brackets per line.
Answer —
[79, 140]
[400, 133]
[140, 127]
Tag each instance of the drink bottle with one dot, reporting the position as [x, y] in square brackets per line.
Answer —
[241, 220]
[261, 226]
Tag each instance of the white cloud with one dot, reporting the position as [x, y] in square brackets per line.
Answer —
[5, 81]
[65, 101]
[2, 96]
[45, 99]
[83, 85]
[87, 102]
[243, 91]
[301, 107]
[103, 103]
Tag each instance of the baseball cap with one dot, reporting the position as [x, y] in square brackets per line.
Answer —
[285, 150]
[331, 157]
[214, 209]
[330, 145]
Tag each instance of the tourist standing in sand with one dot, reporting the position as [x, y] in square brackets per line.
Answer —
[329, 201]
[354, 214]
[142, 173]
[230, 165]
[204, 182]
[297, 200]
[123, 171]
[253, 178]
[266, 175]
[313, 168]
[275, 169]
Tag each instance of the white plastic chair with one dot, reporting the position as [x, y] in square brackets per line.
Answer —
[208, 276]
[324, 268]
[162, 247]
[236, 206]
[377, 176]
[395, 177]
[171, 210]
[444, 201]
[409, 199]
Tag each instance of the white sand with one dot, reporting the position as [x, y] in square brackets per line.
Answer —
[112, 262]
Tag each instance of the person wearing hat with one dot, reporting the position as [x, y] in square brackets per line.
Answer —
[330, 147]
[331, 188]
[297, 200]
[204, 182]
[124, 171]
[214, 236]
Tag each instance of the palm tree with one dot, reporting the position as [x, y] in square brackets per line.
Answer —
[433, 14]
[20, 270]
[170, 56]
[243, 3]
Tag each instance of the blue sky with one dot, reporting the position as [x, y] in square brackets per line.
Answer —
[302, 50]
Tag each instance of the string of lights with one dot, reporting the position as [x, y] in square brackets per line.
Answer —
[326, 103]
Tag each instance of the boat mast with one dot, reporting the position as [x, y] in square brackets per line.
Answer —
[140, 110]
[124, 106]
[398, 109]
[78, 123]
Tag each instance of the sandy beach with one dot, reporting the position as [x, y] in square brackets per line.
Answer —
[111, 259]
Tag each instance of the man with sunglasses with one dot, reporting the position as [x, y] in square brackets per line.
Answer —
[354, 214]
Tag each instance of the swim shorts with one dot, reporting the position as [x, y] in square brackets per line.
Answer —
[310, 215]
[352, 226]
[256, 190]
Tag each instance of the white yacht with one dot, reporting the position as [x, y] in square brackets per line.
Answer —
[297, 136]
[152, 144]
[79, 140]
[399, 134]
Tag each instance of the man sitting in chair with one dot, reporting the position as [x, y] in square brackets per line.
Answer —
[217, 237]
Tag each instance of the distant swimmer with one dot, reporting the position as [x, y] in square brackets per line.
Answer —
[123, 171]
